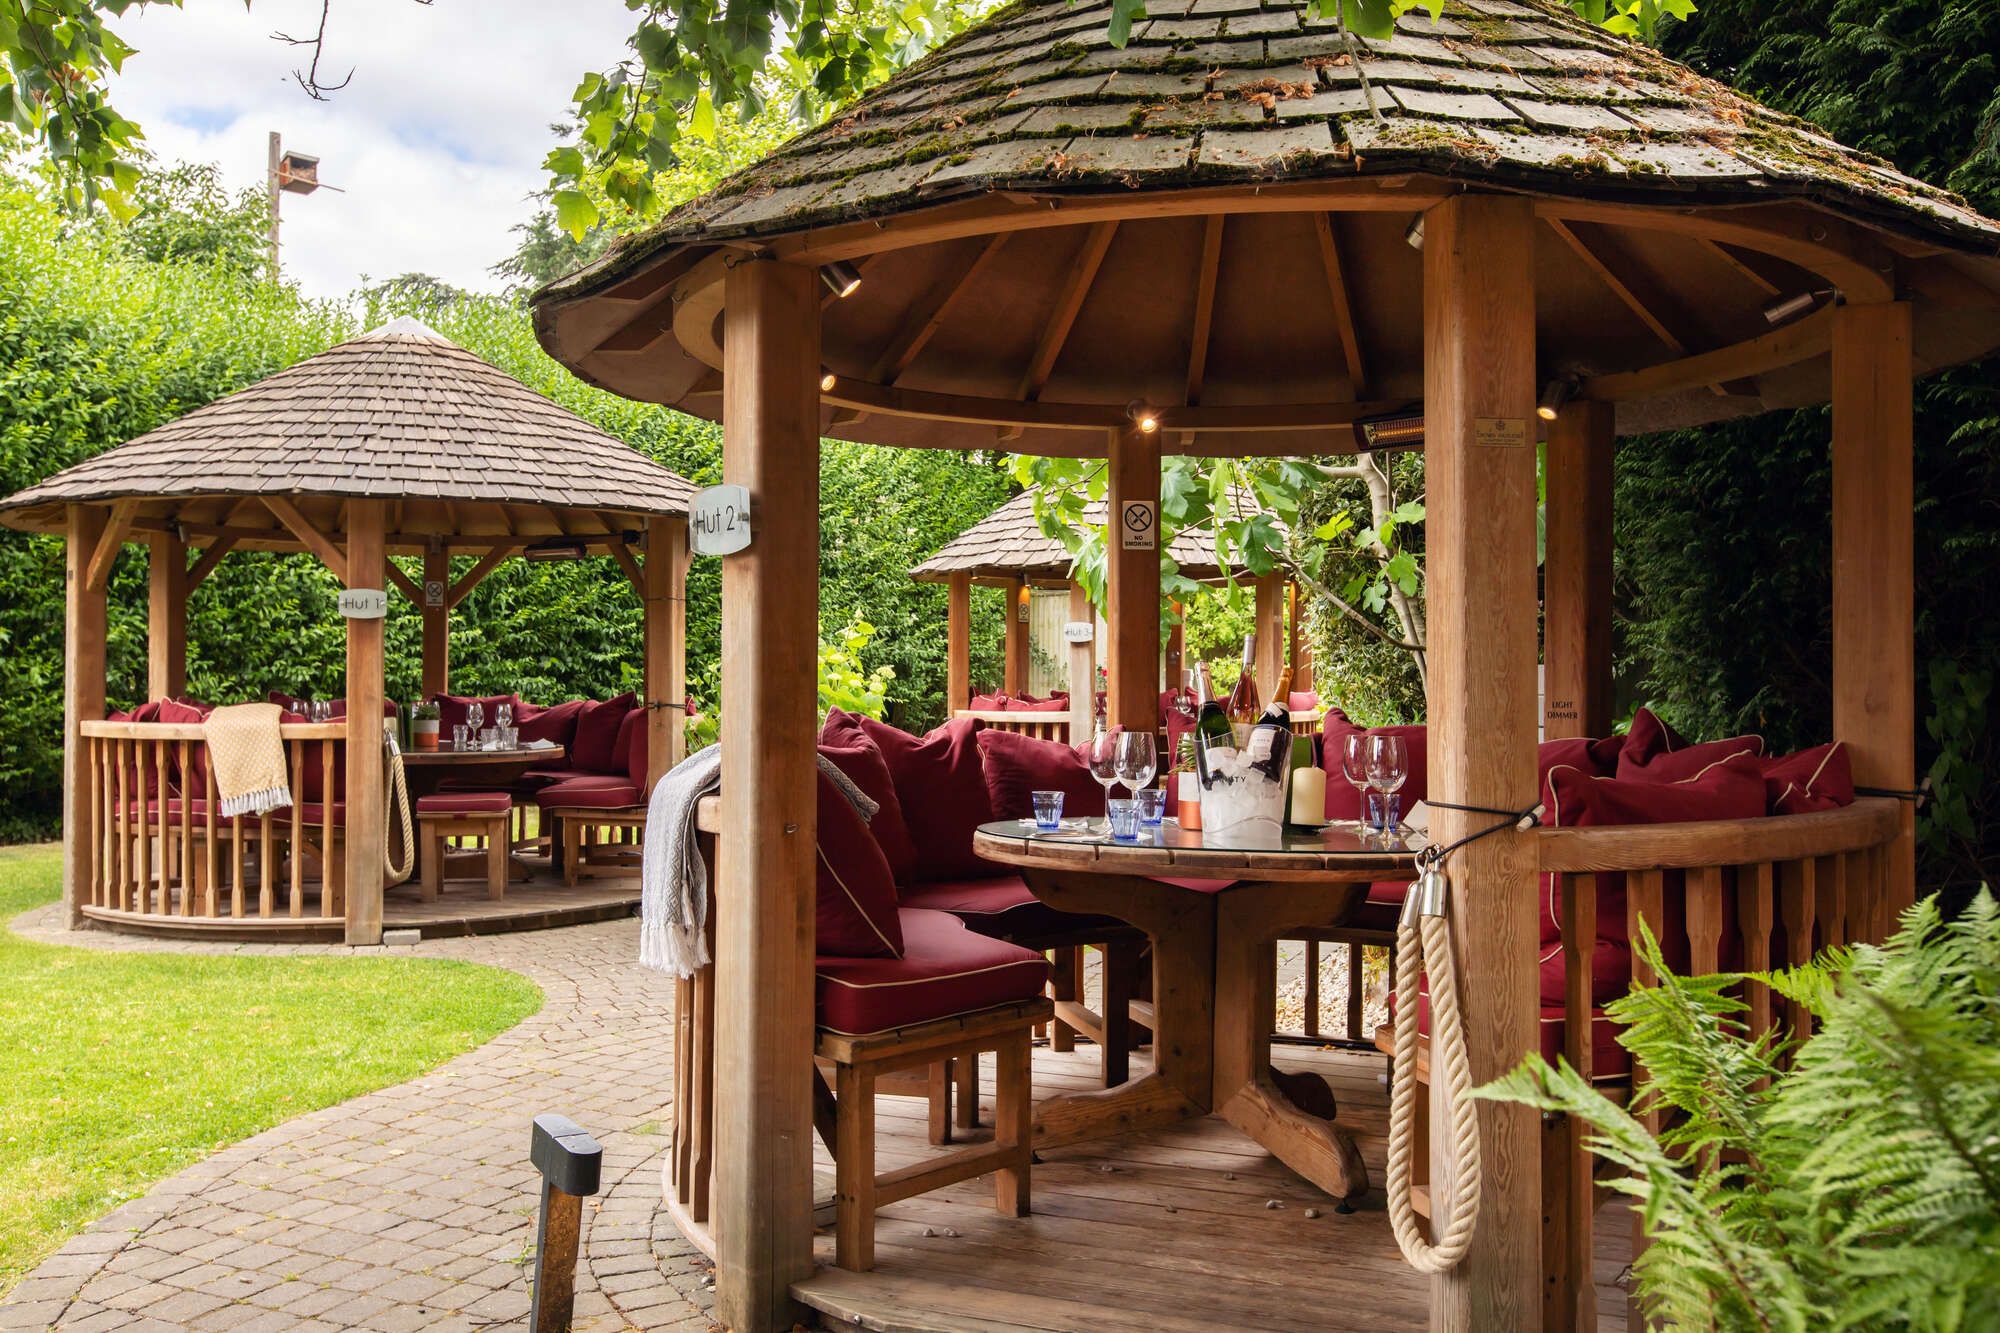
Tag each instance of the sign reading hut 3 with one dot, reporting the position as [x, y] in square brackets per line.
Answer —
[1139, 525]
[719, 520]
[364, 603]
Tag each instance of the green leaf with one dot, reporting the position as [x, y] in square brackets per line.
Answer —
[575, 213]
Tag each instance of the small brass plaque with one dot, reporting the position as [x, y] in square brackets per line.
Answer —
[1500, 432]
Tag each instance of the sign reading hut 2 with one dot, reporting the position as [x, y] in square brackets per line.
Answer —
[719, 520]
[364, 603]
[1139, 526]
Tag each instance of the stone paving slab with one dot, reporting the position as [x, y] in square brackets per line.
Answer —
[410, 1208]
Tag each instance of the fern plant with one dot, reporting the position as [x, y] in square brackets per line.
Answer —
[1849, 1181]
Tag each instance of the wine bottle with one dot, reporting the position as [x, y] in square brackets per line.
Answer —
[1270, 744]
[1281, 693]
[1213, 734]
[1244, 705]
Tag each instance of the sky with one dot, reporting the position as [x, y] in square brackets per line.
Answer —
[437, 141]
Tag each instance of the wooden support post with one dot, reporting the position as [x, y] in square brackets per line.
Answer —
[764, 891]
[665, 578]
[166, 616]
[1874, 652]
[1016, 680]
[367, 830]
[435, 609]
[958, 644]
[83, 701]
[1082, 669]
[1172, 659]
[1576, 574]
[1479, 401]
[1133, 655]
[1270, 625]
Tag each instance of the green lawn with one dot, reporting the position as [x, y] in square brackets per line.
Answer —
[119, 1069]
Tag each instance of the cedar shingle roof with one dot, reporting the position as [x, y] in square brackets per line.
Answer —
[1008, 543]
[397, 413]
[1214, 92]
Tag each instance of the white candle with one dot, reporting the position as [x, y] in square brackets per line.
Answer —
[1309, 796]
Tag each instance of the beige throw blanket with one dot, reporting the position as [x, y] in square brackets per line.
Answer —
[247, 755]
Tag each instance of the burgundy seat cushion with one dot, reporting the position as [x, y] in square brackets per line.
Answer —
[1021, 703]
[1342, 800]
[1018, 766]
[999, 905]
[987, 703]
[630, 754]
[555, 723]
[945, 970]
[1381, 908]
[590, 791]
[1686, 761]
[864, 766]
[1817, 779]
[595, 748]
[855, 900]
[465, 803]
[194, 782]
[940, 785]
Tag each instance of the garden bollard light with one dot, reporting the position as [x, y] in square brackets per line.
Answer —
[570, 1161]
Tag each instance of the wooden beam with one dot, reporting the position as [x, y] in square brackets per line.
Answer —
[1069, 304]
[628, 562]
[437, 621]
[1270, 627]
[84, 633]
[1742, 264]
[1784, 346]
[763, 1193]
[366, 828]
[1096, 418]
[664, 593]
[1343, 307]
[1630, 284]
[1202, 326]
[309, 536]
[922, 321]
[208, 560]
[958, 643]
[1479, 407]
[403, 583]
[1132, 658]
[1014, 680]
[116, 528]
[489, 562]
[166, 616]
[1083, 670]
[1576, 574]
[1874, 653]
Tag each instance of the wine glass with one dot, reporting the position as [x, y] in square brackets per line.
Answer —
[1103, 758]
[503, 715]
[1138, 760]
[475, 713]
[1354, 767]
[1388, 767]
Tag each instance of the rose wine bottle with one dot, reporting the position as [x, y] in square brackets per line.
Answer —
[1244, 705]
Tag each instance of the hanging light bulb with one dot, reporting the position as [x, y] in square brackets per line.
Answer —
[840, 277]
[1555, 394]
[827, 380]
[1143, 417]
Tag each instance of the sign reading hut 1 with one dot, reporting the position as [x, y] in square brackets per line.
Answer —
[719, 520]
[364, 603]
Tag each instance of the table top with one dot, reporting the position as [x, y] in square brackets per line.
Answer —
[446, 753]
[1168, 848]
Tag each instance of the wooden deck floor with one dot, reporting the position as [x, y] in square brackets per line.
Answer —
[536, 903]
[1168, 1231]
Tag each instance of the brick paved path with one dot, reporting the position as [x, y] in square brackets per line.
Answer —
[412, 1207]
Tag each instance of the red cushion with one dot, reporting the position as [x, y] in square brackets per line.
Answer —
[1687, 761]
[939, 783]
[1342, 800]
[1647, 737]
[555, 723]
[945, 970]
[630, 753]
[595, 749]
[1577, 752]
[465, 803]
[1302, 701]
[451, 708]
[194, 782]
[987, 703]
[1817, 779]
[590, 791]
[855, 902]
[862, 762]
[1018, 766]
[1023, 704]
[1196, 885]
[1000, 906]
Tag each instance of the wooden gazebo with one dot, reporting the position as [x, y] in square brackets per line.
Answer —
[1008, 550]
[395, 442]
[1263, 237]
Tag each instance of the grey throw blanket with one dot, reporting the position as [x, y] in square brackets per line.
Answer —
[673, 880]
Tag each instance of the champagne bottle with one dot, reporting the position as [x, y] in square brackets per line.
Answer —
[1244, 705]
[1214, 737]
[1281, 693]
[1270, 743]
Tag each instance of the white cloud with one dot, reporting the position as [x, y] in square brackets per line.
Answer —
[437, 141]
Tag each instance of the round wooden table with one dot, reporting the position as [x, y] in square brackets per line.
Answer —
[1214, 970]
[426, 771]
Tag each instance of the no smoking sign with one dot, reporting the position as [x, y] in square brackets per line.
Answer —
[1138, 525]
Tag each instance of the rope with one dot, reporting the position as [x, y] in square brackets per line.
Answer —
[1423, 937]
[1918, 795]
[397, 794]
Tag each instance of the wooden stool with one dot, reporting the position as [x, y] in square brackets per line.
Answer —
[466, 814]
[859, 1061]
[584, 848]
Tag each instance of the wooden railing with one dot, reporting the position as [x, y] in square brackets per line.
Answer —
[162, 855]
[1041, 726]
[1800, 883]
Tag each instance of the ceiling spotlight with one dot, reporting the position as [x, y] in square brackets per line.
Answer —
[1415, 234]
[840, 277]
[1143, 417]
[1791, 307]
[827, 380]
[1555, 393]
[1400, 431]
